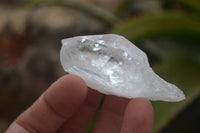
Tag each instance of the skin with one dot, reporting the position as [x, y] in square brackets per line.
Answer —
[68, 106]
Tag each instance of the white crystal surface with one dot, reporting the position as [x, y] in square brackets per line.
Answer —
[112, 65]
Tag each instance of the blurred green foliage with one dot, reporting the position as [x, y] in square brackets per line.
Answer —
[193, 5]
[90, 9]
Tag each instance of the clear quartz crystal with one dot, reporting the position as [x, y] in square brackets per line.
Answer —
[113, 65]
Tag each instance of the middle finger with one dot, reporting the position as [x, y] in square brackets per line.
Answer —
[111, 115]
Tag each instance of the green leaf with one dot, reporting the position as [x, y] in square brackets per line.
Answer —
[193, 5]
[162, 47]
[184, 72]
[168, 24]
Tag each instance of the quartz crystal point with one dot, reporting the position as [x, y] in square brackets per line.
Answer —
[113, 65]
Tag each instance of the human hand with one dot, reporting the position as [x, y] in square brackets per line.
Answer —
[68, 107]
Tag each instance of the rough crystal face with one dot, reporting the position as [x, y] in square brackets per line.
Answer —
[113, 65]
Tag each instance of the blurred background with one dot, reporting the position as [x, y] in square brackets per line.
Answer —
[167, 30]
